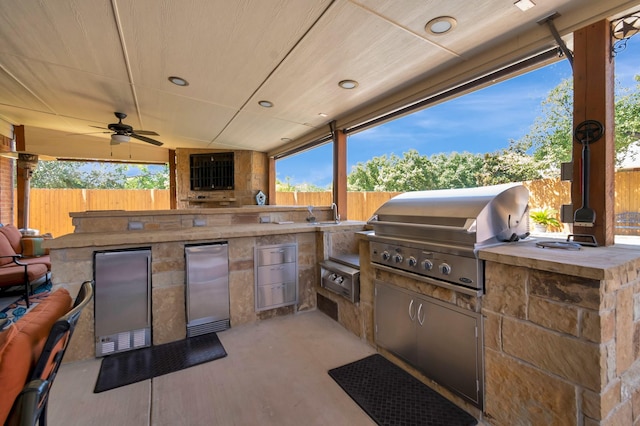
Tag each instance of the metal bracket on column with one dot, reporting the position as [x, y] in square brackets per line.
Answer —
[556, 35]
[622, 30]
[566, 171]
[332, 127]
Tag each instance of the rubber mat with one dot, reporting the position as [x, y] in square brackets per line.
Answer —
[142, 364]
[391, 396]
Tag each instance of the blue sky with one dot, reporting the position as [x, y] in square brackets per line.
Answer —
[480, 122]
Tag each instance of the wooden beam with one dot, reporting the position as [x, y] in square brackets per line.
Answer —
[271, 194]
[21, 178]
[173, 193]
[340, 172]
[593, 91]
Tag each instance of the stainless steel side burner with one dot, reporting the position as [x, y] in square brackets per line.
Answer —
[341, 274]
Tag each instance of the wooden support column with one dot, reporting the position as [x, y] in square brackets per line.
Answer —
[593, 88]
[21, 177]
[340, 172]
[173, 193]
[271, 172]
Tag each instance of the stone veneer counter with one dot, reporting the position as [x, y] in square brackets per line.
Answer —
[72, 261]
[562, 335]
[101, 239]
[588, 262]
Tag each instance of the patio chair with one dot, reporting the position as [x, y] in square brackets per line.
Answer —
[31, 405]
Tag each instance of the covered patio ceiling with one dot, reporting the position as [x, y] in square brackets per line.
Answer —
[67, 66]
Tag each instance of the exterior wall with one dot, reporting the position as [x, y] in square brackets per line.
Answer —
[561, 349]
[7, 171]
[250, 176]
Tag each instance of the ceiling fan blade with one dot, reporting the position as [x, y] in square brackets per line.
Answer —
[88, 133]
[146, 139]
[146, 132]
[98, 127]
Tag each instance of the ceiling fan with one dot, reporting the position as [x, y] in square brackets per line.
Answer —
[123, 132]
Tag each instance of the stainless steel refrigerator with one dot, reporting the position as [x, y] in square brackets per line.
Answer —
[122, 300]
[207, 289]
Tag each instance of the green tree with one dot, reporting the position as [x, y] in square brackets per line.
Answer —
[551, 135]
[56, 174]
[411, 172]
[455, 170]
[288, 186]
[97, 175]
[148, 179]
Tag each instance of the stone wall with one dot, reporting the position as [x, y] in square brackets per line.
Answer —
[561, 349]
[251, 171]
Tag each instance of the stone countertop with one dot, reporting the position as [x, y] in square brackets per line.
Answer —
[104, 239]
[201, 212]
[600, 263]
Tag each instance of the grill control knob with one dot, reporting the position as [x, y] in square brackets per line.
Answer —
[397, 258]
[412, 261]
[427, 265]
[445, 269]
[386, 255]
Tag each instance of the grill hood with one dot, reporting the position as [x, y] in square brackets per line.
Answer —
[470, 217]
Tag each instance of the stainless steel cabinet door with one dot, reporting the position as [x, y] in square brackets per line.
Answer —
[395, 312]
[448, 345]
[122, 291]
[208, 283]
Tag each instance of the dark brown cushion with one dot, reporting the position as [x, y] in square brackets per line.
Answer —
[5, 250]
[14, 236]
[13, 275]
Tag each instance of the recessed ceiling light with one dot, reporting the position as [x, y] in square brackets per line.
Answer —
[441, 25]
[524, 5]
[178, 81]
[285, 139]
[322, 114]
[348, 84]
[265, 104]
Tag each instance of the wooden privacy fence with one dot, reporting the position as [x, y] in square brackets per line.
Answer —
[49, 211]
[49, 208]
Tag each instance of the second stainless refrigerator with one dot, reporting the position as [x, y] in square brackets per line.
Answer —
[207, 288]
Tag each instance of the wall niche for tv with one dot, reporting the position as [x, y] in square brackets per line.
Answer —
[211, 172]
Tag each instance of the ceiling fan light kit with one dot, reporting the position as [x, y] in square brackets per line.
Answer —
[122, 133]
[117, 138]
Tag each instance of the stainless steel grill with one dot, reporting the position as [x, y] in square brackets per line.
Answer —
[433, 237]
[436, 234]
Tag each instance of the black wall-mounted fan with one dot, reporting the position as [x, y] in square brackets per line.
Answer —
[122, 132]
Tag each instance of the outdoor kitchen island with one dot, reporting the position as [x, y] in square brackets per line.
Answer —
[166, 233]
[562, 335]
[561, 328]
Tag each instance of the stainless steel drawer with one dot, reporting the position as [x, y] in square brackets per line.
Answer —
[274, 274]
[275, 295]
[276, 255]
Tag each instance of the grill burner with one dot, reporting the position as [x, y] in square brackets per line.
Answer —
[436, 234]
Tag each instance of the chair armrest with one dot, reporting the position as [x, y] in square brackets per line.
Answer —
[15, 258]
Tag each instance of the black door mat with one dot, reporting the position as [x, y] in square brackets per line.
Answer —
[142, 364]
[391, 396]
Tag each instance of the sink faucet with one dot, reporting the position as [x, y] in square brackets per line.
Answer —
[336, 216]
